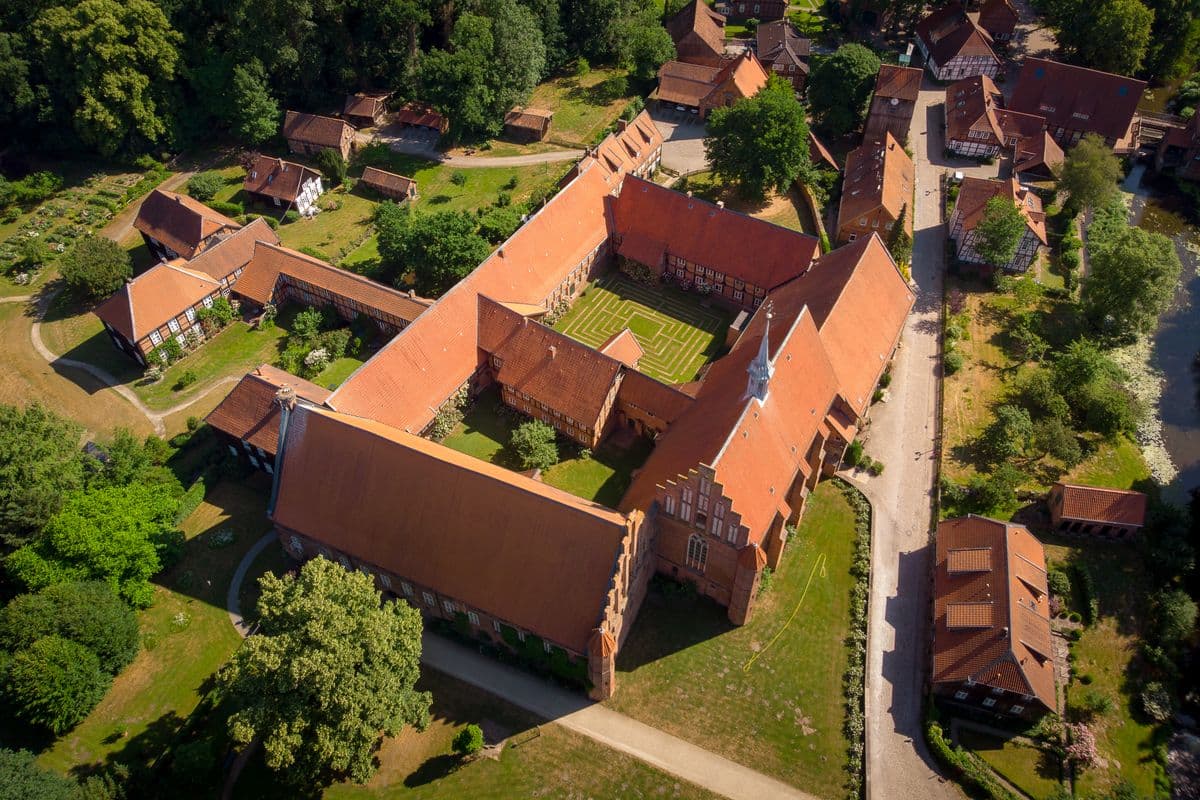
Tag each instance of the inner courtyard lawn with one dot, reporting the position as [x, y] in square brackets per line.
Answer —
[1034, 771]
[679, 332]
[767, 694]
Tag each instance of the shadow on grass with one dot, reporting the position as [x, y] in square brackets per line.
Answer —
[433, 769]
[672, 619]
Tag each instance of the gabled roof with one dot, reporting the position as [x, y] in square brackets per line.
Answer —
[552, 368]
[363, 104]
[902, 83]
[992, 622]
[948, 32]
[974, 194]
[698, 18]
[1039, 153]
[423, 114]
[686, 84]
[1077, 98]
[222, 259]
[878, 174]
[386, 181]
[250, 413]
[656, 399]
[275, 177]
[624, 347]
[819, 154]
[1099, 504]
[158, 295]
[534, 119]
[745, 72]
[998, 17]
[179, 222]
[269, 261]
[313, 129]
[527, 553]
[780, 42]
[652, 219]
[627, 149]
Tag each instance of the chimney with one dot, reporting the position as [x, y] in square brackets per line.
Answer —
[553, 352]
[500, 252]
[622, 125]
[720, 204]
[689, 194]
[179, 199]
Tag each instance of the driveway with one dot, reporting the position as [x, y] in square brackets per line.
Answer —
[423, 144]
[683, 138]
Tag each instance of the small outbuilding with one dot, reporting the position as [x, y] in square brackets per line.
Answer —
[310, 134]
[389, 184]
[414, 114]
[363, 109]
[527, 124]
[1097, 511]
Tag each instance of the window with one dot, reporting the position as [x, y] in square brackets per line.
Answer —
[687, 494]
[719, 510]
[190, 314]
[208, 302]
[385, 581]
[448, 606]
[702, 503]
[685, 512]
[155, 338]
[297, 547]
[497, 362]
[862, 222]
[889, 226]
[731, 532]
[545, 645]
[428, 598]
[680, 273]
[960, 695]
[852, 236]
[997, 690]
[738, 294]
[716, 527]
[173, 326]
[669, 504]
[473, 618]
[406, 588]
[496, 625]
[1017, 709]
[520, 636]
[697, 552]
[989, 702]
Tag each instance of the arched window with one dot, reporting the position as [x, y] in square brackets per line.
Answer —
[697, 552]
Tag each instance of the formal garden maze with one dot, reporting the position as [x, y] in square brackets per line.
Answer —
[678, 334]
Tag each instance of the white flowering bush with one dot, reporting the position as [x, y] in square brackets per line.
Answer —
[316, 360]
[1146, 384]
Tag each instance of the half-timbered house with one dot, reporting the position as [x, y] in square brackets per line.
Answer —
[954, 46]
[969, 208]
[174, 225]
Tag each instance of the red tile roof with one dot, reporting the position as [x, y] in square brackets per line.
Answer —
[1077, 98]
[150, 300]
[974, 194]
[658, 400]
[179, 222]
[533, 119]
[517, 549]
[1098, 504]
[363, 104]
[261, 276]
[902, 83]
[1039, 153]
[948, 32]
[878, 174]
[819, 154]
[222, 259]
[313, 129]
[992, 622]
[685, 84]
[780, 43]
[274, 177]
[421, 114]
[624, 347]
[998, 17]
[387, 182]
[250, 413]
[697, 17]
[653, 219]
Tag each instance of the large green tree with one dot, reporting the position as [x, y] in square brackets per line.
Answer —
[644, 44]
[254, 114]
[440, 249]
[534, 443]
[54, 683]
[330, 671]
[40, 463]
[1090, 173]
[999, 231]
[96, 267]
[840, 88]
[1130, 281]
[118, 534]
[1174, 38]
[107, 64]
[760, 144]
[22, 779]
[87, 613]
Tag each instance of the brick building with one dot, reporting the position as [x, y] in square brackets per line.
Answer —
[784, 52]
[705, 88]
[954, 46]
[978, 125]
[1096, 511]
[174, 225]
[365, 109]
[310, 134]
[247, 420]
[284, 184]
[1076, 101]
[999, 18]
[699, 34]
[973, 197]
[389, 184]
[877, 190]
[1180, 151]
[893, 103]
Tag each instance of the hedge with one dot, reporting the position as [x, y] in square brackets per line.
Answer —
[854, 679]
[191, 499]
[962, 766]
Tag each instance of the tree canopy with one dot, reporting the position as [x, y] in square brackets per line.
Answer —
[760, 144]
[1109, 35]
[999, 231]
[534, 443]
[1090, 173]
[330, 671]
[96, 267]
[40, 463]
[840, 88]
[440, 248]
[1131, 280]
[54, 683]
[87, 613]
[22, 779]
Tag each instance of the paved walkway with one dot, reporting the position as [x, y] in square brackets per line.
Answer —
[233, 603]
[423, 148]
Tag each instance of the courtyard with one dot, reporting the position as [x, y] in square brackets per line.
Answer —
[679, 333]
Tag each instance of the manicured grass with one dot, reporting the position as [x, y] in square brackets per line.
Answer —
[338, 371]
[786, 211]
[1034, 771]
[186, 636]
[583, 106]
[767, 694]
[333, 234]
[603, 477]
[1118, 464]
[538, 760]
[677, 332]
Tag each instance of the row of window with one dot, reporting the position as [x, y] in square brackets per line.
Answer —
[529, 405]
[717, 526]
[156, 337]
[990, 702]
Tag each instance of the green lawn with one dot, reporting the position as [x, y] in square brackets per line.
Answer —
[603, 477]
[333, 375]
[537, 760]
[786, 211]
[1034, 771]
[767, 694]
[186, 636]
[584, 105]
[677, 332]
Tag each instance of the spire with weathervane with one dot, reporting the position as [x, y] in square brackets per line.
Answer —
[761, 369]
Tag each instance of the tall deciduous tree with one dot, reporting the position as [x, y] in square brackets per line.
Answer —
[22, 779]
[593, 26]
[644, 44]
[1090, 173]
[108, 62]
[40, 463]
[330, 671]
[840, 88]
[1130, 282]
[440, 249]
[760, 143]
[1110, 35]
[999, 231]
[255, 114]
[96, 267]
[87, 613]
[54, 683]
[1174, 37]
[534, 443]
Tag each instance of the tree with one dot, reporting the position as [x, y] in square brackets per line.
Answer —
[118, 534]
[644, 44]
[469, 740]
[995, 493]
[841, 86]
[1108, 408]
[900, 242]
[760, 143]
[499, 223]
[1090, 173]
[54, 683]
[332, 166]
[1110, 35]
[1009, 434]
[534, 443]
[999, 231]
[593, 27]
[204, 185]
[1055, 438]
[1040, 394]
[1130, 282]
[40, 463]
[1079, 364]
[87, 613]
[1173, 38]
[22, 779]
[330, 670]
[1176, 615]
[108, 62]
[254, 116]
[440, 248]
[96, 267]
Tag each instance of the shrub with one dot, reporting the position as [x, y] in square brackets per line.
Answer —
[1082, 749]
[1093, 703]
[335, 342]
[88, 613]
[204, 185]
[54, 683]
[535, 446]
[216, 316]
[315, 361]
[1156, 701]
[1087, 587]
[499, 223]
[458, 178]
[96, 267]
[22, 779]
[1059, 583]
[468, 741]
[952, 362]
[192, 424]
[448, 416]
[185, 380]
[854, 453]
[503, 200]
[765, 581]
[290, 216]
[228, 208]
[1176, 616]
[332, 166]
[510, 184]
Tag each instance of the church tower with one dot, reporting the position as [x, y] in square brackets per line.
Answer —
[761, 369]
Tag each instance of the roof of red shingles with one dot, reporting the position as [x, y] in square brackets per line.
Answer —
[879, 173]
[654, 219]
[902, 83]
[364, 104]
[415, 113]
[697, 17]
[315, 129]
[550, 367]
[624, 347]
[626, 150]
[535, 119]
[1059, 92]
[222, 259]
[259, 279]
[155, 297]
[525, 552]
[948, 32]
[1039, 151]
[386, 181]
[275, 177]
[819, 153]
[179, 222]
[250, 413]
[656, 399]
[686, 84]
[974, 194]
[1098, 504]
[998, 17]
[976, 103]
[992, 626]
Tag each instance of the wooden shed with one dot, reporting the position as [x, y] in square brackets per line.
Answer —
[527, 124]
[389, 184]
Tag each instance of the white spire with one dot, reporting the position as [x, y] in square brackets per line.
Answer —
[761, 369]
